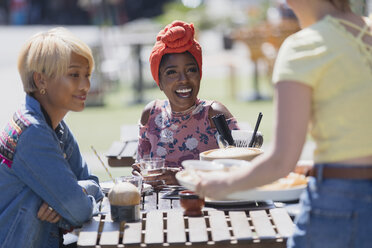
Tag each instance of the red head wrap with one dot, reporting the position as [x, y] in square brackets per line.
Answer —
[177, 37]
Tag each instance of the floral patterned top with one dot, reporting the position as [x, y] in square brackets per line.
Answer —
[178, 136]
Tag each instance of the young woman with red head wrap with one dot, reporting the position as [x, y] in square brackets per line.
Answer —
[179, 127]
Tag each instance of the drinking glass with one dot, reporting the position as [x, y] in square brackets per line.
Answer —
[151, 170]
[151, 166]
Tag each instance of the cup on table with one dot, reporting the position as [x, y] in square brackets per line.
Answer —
[125, 199]
[151, 166]
[191, 203]
[152, 169]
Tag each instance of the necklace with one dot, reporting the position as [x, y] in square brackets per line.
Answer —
[184, 111]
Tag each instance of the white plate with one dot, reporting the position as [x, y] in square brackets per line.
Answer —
[201, 165]
[254, 194]
[290, 194]
[228, 202]
[184, 182]
[232, 162]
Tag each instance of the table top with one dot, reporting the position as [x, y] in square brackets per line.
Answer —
[163, 224]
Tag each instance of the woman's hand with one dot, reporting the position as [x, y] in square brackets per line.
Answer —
[165, 176]
[46, 213]
[136, 168]
[214, 185]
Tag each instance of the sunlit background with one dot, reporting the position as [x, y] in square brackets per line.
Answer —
[240, 40]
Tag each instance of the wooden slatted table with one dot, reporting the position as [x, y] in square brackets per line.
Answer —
[158, 228]
[163, 224]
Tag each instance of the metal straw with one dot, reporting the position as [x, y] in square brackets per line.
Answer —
[255, 129]
[103, 164]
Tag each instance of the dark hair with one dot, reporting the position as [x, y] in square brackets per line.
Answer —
[343, 5]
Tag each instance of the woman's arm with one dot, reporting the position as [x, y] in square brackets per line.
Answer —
[146, 113]
[293, 111]
[39, 163]
[144, 144]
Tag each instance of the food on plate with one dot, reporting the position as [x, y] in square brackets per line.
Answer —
[290, 181]
[243, 153]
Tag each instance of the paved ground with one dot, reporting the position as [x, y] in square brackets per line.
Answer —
[11, 92]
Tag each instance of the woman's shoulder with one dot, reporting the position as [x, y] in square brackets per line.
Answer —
[307, 38]
[311, 42]
[150, 108]
[323, 32]
[218, 108]
[24, 119]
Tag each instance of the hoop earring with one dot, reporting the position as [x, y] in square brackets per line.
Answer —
[42, 91]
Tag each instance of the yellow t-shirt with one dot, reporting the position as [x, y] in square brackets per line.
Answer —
[338, 67]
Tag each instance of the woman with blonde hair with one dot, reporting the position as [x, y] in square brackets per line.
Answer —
[46, 185]
[323, 78]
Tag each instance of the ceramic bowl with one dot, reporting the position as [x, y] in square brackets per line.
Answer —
[241, 153]
[191, 203]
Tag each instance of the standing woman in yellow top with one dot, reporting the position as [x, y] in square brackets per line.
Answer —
[323, 82]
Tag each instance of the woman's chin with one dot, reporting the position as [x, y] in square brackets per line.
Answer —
[79, 108]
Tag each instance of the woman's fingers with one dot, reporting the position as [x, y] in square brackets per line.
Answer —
[47, 213]
[136, 167]
[199, 189]
[212, 184]
[165, 176]
[42, 211]
[54, 217]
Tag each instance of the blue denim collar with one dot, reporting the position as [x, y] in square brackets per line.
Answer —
[34, 104]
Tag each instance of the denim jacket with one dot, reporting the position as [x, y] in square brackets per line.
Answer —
[40, 165]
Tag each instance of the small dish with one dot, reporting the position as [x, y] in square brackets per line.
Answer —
[191, 203]
[186, 179]
[227, 163]
[241, 153]
[201, 165]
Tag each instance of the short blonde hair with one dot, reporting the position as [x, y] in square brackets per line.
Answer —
[49, 53]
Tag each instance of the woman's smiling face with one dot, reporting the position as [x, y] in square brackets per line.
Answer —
[179, 80]
[69, 91]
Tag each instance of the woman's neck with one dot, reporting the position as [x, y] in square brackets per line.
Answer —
[317, 11]
[55, 115]
[183, 112]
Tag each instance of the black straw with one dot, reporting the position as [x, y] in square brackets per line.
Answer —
[255, 129]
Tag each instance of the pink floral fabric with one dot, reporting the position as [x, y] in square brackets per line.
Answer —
[178, 137]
